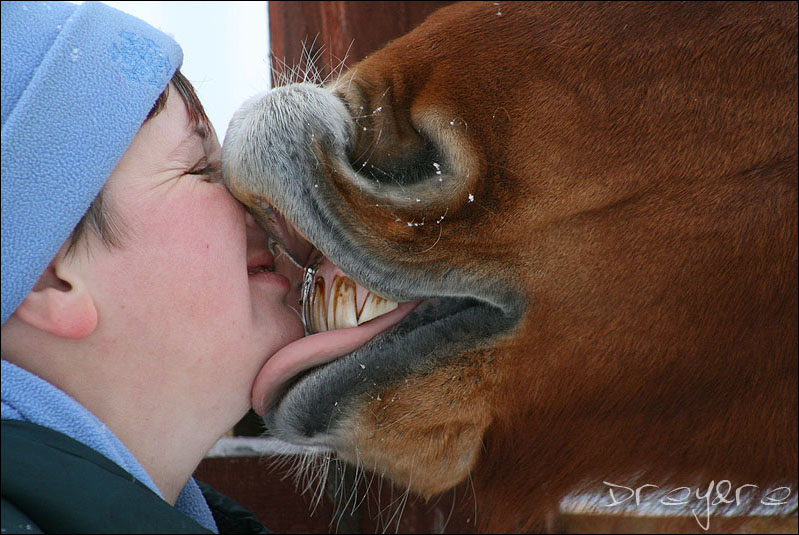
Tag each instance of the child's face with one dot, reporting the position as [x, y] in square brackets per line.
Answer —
[177, 308]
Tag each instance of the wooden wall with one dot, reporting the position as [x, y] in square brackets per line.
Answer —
[333, 31]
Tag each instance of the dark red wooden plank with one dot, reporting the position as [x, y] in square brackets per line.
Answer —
[332, 31]
[266, 491]
[264, 487]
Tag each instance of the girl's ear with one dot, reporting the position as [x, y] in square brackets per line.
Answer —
[60, 302]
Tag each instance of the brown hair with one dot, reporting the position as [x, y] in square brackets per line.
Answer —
[100, 218]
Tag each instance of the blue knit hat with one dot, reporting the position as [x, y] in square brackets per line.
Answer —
[77, 84]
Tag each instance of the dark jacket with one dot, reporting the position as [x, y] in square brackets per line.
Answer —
[54, 484]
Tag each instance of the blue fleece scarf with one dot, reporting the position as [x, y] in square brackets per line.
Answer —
[30, 398]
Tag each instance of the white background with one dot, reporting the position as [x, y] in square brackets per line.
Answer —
[225, 49]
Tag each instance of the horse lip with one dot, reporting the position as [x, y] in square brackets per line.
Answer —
[307, 411]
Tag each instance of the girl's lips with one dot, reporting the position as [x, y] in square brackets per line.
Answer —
[267, 268]
[260, 260]
[271, 278]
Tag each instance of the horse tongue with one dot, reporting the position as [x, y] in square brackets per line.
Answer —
[314, 350]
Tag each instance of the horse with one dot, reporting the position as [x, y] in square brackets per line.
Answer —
[578, 224]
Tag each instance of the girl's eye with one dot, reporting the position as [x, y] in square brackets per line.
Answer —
[212, 171]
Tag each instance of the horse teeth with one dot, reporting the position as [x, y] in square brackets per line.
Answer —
[319, 307]
[375, 306]
[341, 310]
[338, 308]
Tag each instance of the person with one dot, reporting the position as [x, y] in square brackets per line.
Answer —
[139, 298]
